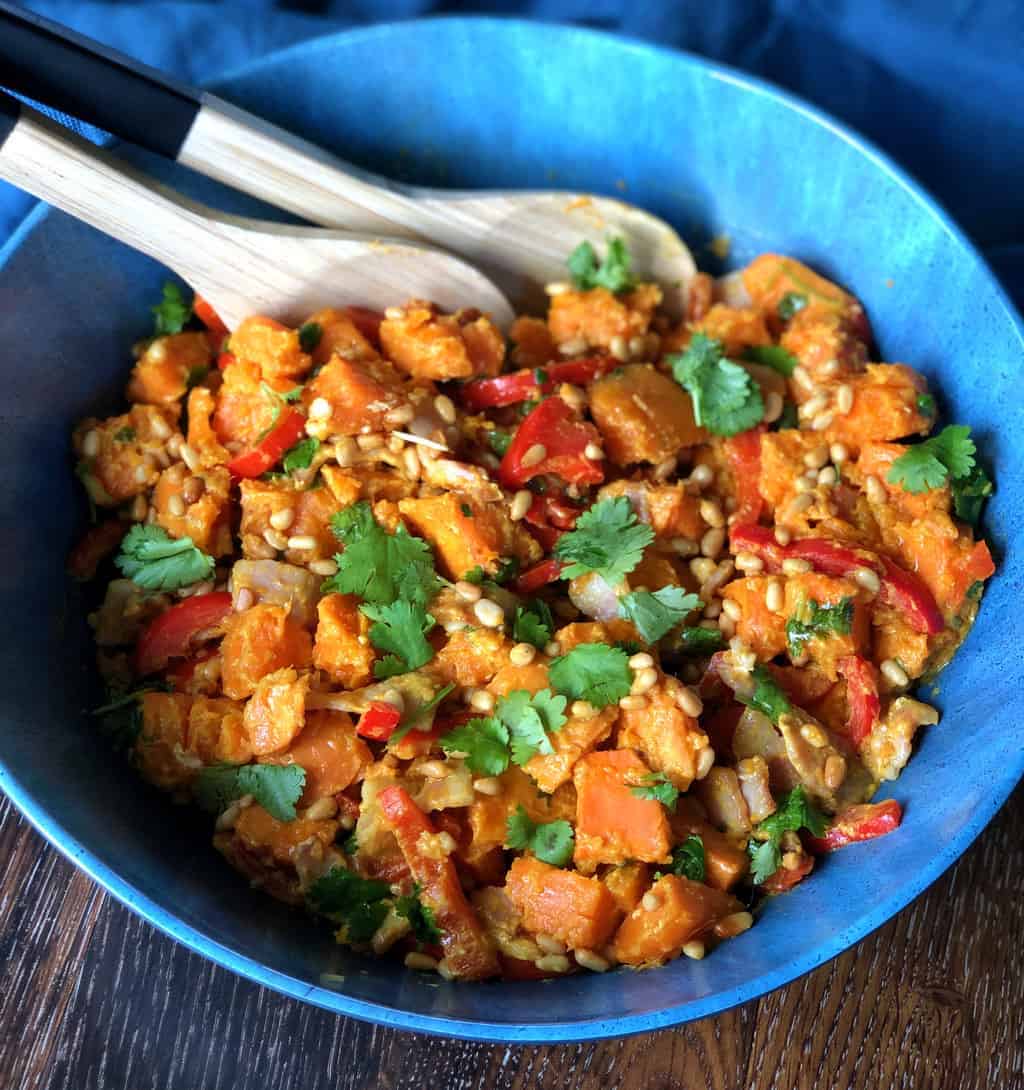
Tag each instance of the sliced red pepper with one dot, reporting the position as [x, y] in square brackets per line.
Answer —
[289, 429]
[977, 568]
[367, 321]
[225, 360]
[743, 453]
[856, 824]
[861, 696]
[547, 571]
[379, 721]
[783, 879]
[901, 590]
[469, 952]
[170, 635]
[517, 386]
[549, 517]
[564, 435]
[215, 328]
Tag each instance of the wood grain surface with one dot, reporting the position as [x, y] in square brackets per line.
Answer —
[93, 998]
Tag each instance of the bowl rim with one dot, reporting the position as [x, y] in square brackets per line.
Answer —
[165, 920]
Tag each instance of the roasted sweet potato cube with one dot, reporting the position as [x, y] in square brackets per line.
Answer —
[489, 814]
[736, 327]
[471, 657]
[276, 711]
[577, 910]
[119, 457]
[343, 649]
[360, 394]
[627, 883]
[761, 629]
[828, 647]
[885, 406]
[206, 519]
[339, 335]
[216, 734]
[160, 744]
[597, 316]
[643, 415]
[201, 436]
[168, 367]
[669, 739]
[429, 345]
[245, 410]
[614, 825]
[330, 751]
[576, 739]
[273, 347]
[533, 345]
[680, 910]
[257, 642]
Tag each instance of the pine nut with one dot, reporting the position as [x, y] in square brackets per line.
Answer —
[815, 459]
[814, 405]
[550, 945]
[701, 476]
[321, 810]
[423, 962]
[664, 469]
[176, 506]
[828, 476]
[636, 346]
[574, 346]
[711, 513]
[370, 442]
[802, 378]
[140, 508]
[844, 399]
[189, 457]
[302, 541]
[583, 709]
[823, 421]
[553, 963]
[839, 453]
[868, 579]
[651, 901]
[468, 592]
[326, 567]
[552, 649]
[91, 443]
[694, 949]
[734, 925]
[641, 661]
[749, 562]
[593, 452]
[834, 772]
[275, 540]
[712, 543]
[283, 518]
[644, 680]
[142, 473]
[795, 565]
[633, 703]
[703, 568]
[489, 613]
[894, 674]
[813, 735]
[522, 501]
[522, 654]
[394, 314]
[619, 348]
[587, 959]
[684, 547]
[573, 396]
[774, 597]
[482, 701]
[445, 408]
[489, 785]
[689, 702]
[874, 489]
[799, 504]
[557, 287]
[534, 455]
[830, 368]
[782, 535]
[773, 406]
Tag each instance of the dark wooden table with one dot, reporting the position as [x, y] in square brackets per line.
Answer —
[92, 998]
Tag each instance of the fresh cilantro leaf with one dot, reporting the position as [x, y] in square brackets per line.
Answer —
[485, 743]
[593, 672]
[975, 590]
[700, 641]
[125, 435]
[309, 335]
[172, 313]
[420, 916]
[378, 566]
[657, 787]
[765, 859]
[301, 455]
[475, 576]
[613, 273]
[631, 647]
[688, 859]
[350, 845]
[773, 356]
[277, 788]
[790, 304]
[530, 719]
[947, 455]
[969, 494]
[551, 842]
[795, 811]
[290, 396]
[357, 903]
[926, 404]
[726, 400]
[767, 697]
[417, 715]
[499, 441]
[540, 376]
[607, 539]
[533, 624]
[656, 613]
[399, 628]
[821, 621]
[153, 560]
[467, 511]
[508, 569]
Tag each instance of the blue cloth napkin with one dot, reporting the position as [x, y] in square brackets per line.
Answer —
[937, 85]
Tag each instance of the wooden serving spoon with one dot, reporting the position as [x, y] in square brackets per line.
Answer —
[521, 239]
[241, 267]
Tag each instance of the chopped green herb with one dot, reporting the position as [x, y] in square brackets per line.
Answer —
[700, 641]
[172, 313]
[466, 510]
[350, 845]
[655, 614]
[195, 376]
[926, 404]
[688, 860]
[419, 714]
[969, 494]
[309, 335]
[125, 435]
[613, 273]
[420, 916]
[726, 400]
[767, 697]
[484, 741]
[657, 787]
[926, 465]
[773, 356]
[153, 560]
[795, 812]
[551, 842]
[822, 620]
[789, 417]
[790, 304]
[499, 441]
[400, 628]
[277, 788]
[358, 904]
[540, 376]
[533, 624]
[530, 719]
[607, 539]
[301, 455]
[593, 672]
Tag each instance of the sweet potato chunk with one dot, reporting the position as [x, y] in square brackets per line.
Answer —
[627, 883]
[118, 456]
[343, 649]
[685, 910]
[276, 711]
[612, 824]
[201, 436]
[668, 509]
[470, 657]
[429, 345]
[168, 366]
[533, 344]
[597, 316]
[340, 336]
[311, 510]
[577, 738]
[330, 751]
[257, 642]
[884, 406]
[643, 415]
[216, 734]
[770, 277]
[245, 410]
[827, 649]
[579, 911]
[669, 739]
[206, 520]
[274, 348]
[763, 631]
[489, 814]
[736, 327]
[360, 393]
[817, 336]
[160, 744]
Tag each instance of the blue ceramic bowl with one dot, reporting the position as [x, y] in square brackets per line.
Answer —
[488, 103]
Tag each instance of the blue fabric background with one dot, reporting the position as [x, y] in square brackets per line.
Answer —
[936, 83]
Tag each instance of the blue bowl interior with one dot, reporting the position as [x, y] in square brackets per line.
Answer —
[472, 103]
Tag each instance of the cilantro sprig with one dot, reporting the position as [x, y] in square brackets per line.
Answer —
[791, 304]
[656, 613]
[614, 272]
[172, 313]
[688, 859]
[795, 812]
[700, 641]
[607, 539]
[400, 629]
[533, 624]
[309, 335]
[657, 787]
[154, 560]
[484, 741]
[821, 621]
[420, 916]
[521, 727]
[948, 456]
[277, 788]
[774, 356]
[726, 400]
[551, 842]
[380, 567]
[301, 455]
[593, 672]
[767, 697]
[358, 904]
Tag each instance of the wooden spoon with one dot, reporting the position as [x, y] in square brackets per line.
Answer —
[241, 267]
[520, 239]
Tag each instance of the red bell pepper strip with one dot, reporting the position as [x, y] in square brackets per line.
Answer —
[549, 517]
[216, 330]
[783, 879]
[516, 386]
[289, 429]
[858, 823]
[743, 453]
[379, 721]
[225, 360]
[861, 696]
[901, 590]
[367, 322]
[547, 571]
[564, 435]
[170, 635]
[469, 952]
